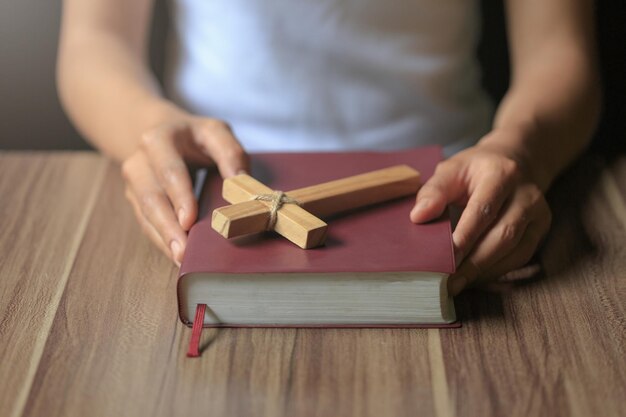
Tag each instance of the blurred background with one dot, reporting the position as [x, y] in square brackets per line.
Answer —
[31, 117]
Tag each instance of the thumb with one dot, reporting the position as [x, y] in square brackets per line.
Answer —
[441, 189]
[218, 140]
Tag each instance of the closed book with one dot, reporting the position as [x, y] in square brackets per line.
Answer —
[376, 268]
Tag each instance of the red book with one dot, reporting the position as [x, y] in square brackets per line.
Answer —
[377, 269]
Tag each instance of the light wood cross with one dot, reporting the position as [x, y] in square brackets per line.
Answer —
[294, 215]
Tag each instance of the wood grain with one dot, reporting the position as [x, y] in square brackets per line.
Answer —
[45, 203]
[113, 344]
[358, 191]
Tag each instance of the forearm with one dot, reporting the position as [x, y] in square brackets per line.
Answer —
[551, 111]
[108, 92]
[103, 80]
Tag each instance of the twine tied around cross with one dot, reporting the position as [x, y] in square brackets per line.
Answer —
[277, 198]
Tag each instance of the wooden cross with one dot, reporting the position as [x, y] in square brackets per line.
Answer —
[295, 214]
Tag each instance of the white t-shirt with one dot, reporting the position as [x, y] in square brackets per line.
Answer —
[297, 75]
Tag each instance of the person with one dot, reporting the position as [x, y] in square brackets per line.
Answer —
[246, 75]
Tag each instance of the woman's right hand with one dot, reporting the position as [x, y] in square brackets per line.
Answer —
[158, 183]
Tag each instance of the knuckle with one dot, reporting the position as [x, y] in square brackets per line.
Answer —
[510, 168]
[127, 167]
[486, 210]
[509, 232]
[217, 124]
[431, 191]
[445, 166]
[536, 197]
[441, 166]
[428, 191]
[234, 152]
[525, 214]
[161, 133]
[483, 209]
[148, 202]
[148, 139]
[171, 172]
[169, 232]
[535, 192]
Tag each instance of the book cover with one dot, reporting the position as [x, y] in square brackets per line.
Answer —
[377, 238]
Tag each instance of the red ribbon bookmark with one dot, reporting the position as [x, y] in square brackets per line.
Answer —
[196, 332]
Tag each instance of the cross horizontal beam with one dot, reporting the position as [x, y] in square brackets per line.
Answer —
[299, 223]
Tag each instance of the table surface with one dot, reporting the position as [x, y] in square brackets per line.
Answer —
[88, 322]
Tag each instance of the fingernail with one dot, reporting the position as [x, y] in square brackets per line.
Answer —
[421, 205]
[181, 215]
[177, 251]
[456, 285]
[458, 256]
[241, 171]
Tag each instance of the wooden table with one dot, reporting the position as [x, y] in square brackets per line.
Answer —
[88, 323]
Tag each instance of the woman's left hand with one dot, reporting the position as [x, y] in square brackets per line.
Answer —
[505, 215]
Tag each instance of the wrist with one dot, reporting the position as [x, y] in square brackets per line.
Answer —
[158, 111]
[521, 143]
[149, 112]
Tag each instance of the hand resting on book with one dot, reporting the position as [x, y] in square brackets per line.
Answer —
[158, 184]
[505, 214]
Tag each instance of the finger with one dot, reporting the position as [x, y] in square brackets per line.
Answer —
[172, 174]
[220, 143]
[528, 271]
[500, 240]
[463, 277]
[146, 227]
[154, 204]
[482, 209]
[472, 275]
[506, 239]
[522, 254]
[444, 187]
